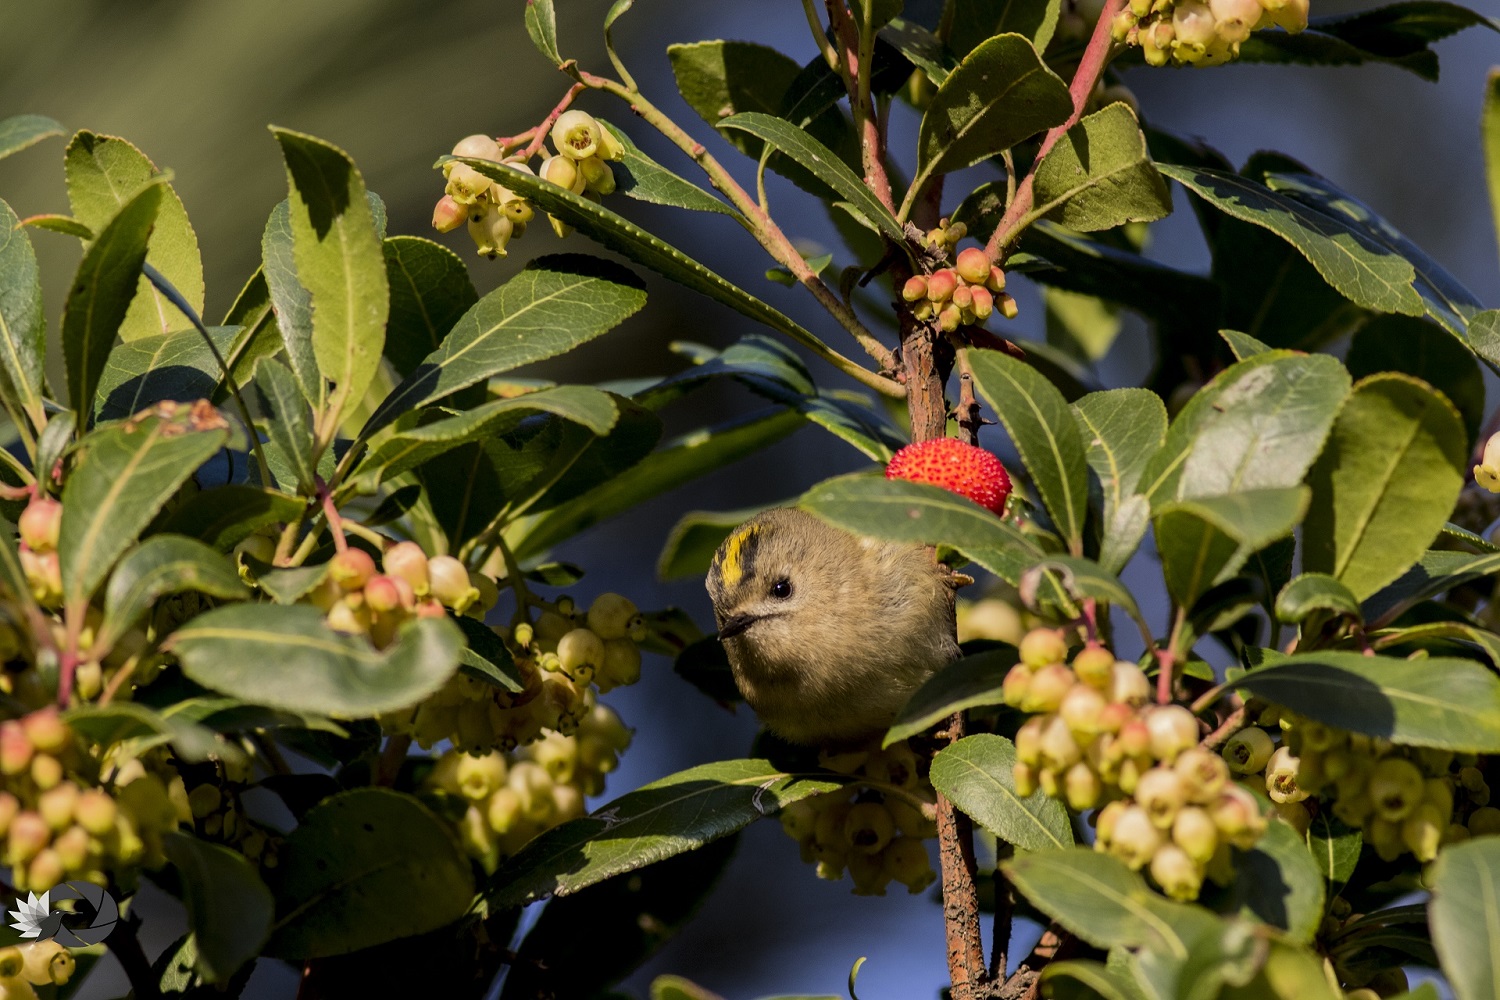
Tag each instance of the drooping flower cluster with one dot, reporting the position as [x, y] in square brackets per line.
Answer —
[965, 294]
[60, 821]
[1195, 33]
[506, 799]
[874, 827]
[1168, 804]
[1405, 799]
[495, 214]
[561, 660]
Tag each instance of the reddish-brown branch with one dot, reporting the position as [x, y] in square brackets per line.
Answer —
[534, 137]
[960, 895]
[1023, 984]
[1090, 67]
[331, 514]
[856, 76]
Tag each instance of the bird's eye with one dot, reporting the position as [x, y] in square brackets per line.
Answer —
[781, 589]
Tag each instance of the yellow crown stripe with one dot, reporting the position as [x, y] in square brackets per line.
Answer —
[731, 558]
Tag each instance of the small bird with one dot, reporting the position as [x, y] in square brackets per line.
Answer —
[828, 633]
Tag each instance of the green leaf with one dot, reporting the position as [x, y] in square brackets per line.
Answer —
[430, 291]
[1444, 702]
[23, 324]
[686, 458]
[976, 20]
[1422, 350]
[229, 907]
[1438, 570]
[125, 473]
[290, 302]
[144, 728]
[1265, 430]
[54, 223]
[1083, 979]
[415, 441]
[1440, 637]
[1399, 34]
[1447, 300]
[541, 25]
[19, 132]
[1099, 175]
[1105, 903]
[642, 178]
[102, 291]
[1484, 336]
[340, 263]
[903, 511]
[634, 914]
[1386, 482]
[1204, 542]
[551, 307]
[226, 515]
[160, 566]
[176, 366]
[772, 369]
[1037, 418]
[1000, 94]
[972, 682]
[348, 871]
[1259, 424]
[1312, 592]
[822, 162]
[1121, 429]
[1278, 882]
[921, 48]
[1243, 345]
[1489, 128]
[105, 173]
[289, 423]
[976, 773]
[614, 232]
[1464, 914]
[693, 540]
[486, 658]
[286, 656]
[1367, 273]
[284, 586]
[664, 818]
[1083, 580]
[1334, 846]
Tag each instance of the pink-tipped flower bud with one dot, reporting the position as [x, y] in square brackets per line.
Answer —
[429, 608]
[46, 730]
[351, 569]
[940, 284]
[15, 748]
[28, 834]
[1094, 666]
[448, 215]
[384, 594]
[1016, 685]
[95, 811]
[973, 266]
[1082, 708]
[1006, 306]
[996, 282]
[39, 524]
[984, 302]
[1134, 738]
[950, 318]
[576, 134]
[407, 561]
[915, 288]
[963, 298]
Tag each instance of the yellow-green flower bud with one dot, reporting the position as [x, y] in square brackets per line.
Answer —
[1248, 751]
[576, 134]
[1179, 876]
[1396, 788]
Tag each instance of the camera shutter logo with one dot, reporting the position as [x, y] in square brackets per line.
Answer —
[36, 919]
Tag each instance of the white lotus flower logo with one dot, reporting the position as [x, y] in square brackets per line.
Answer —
[32, 913]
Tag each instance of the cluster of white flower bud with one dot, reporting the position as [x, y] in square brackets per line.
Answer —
[509, 798]
[1168, 804]
[563, 659]
[495, 214]
[58, 821]
[874, 827]
[1201, 32]
[1405, 799]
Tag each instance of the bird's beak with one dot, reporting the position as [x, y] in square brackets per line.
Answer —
[734, 625]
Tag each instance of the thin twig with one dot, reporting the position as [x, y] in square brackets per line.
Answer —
[966, 968]
[1090, 67]
[331, 515]
[1233, 723]
[126, 947]
[545, 128]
